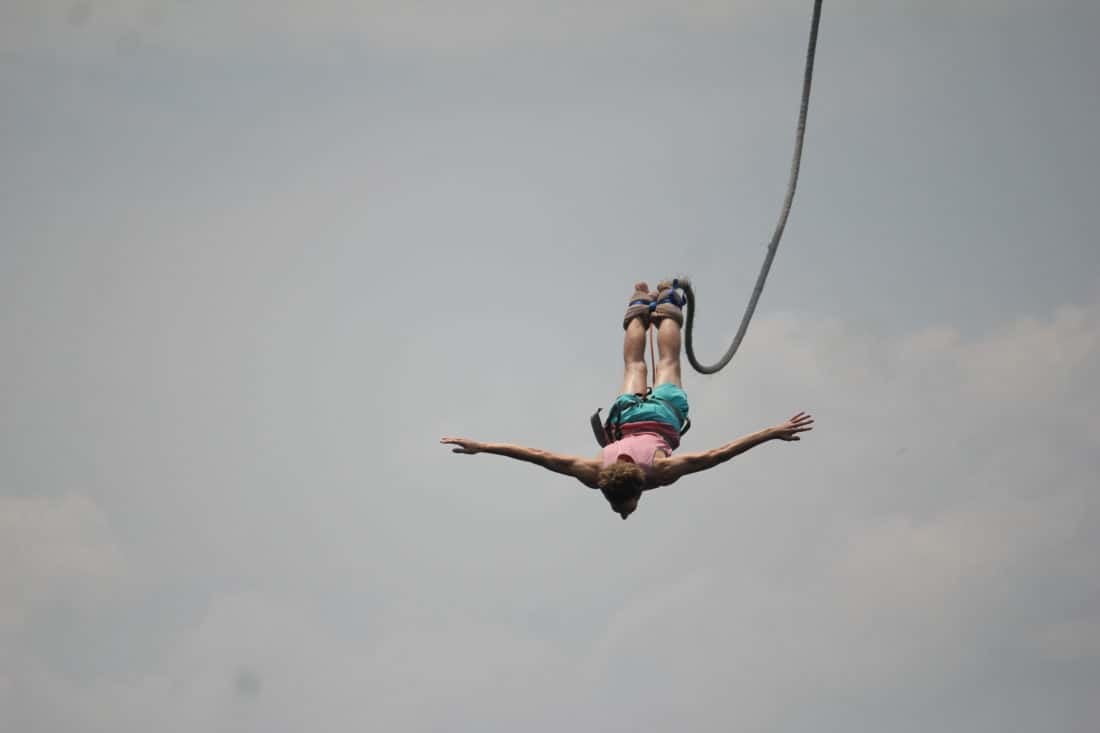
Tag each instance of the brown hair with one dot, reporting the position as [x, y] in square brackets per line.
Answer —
[621, 481]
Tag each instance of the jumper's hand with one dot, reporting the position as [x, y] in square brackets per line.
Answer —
[789, 430]
[469, 447]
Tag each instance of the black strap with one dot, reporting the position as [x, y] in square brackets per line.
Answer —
[598, 429]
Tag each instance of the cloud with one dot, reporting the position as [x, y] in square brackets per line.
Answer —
[54, 550]
[943, 513]
[296, 672]
[1033, 357]
[941, 520]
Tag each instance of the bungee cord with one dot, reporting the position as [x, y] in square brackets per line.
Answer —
[792, 184]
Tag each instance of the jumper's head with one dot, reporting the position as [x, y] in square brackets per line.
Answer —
[621, 484]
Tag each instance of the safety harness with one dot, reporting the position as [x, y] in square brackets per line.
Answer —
[611, 430]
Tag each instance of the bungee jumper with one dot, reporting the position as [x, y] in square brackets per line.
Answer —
[645, 424]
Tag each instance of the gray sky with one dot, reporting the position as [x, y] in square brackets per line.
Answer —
[256, 261]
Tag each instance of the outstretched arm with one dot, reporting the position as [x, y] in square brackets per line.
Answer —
[686, 463]
[584, 470]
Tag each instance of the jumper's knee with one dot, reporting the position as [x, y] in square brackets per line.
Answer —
[635, 377]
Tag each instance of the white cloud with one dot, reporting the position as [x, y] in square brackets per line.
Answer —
[917, 530]
[1034, 358]
[53, 549]
[264, 663]
[903, 566]
[905, 538]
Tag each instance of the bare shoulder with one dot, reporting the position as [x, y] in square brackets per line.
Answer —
[587, 471]
[667, 470]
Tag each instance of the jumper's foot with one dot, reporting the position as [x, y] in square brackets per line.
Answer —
[640, 305]
[670, 301]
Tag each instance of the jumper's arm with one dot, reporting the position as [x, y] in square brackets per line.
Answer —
[582, 469]
[685, 463]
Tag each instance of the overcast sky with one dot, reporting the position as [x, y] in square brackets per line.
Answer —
[256, 258]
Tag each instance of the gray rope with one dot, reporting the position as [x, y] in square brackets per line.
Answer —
[811, 50]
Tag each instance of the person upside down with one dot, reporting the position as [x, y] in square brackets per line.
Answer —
[644, 425]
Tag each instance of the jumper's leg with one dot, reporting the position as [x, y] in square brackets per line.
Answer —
[634, 371]
[668, 346]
